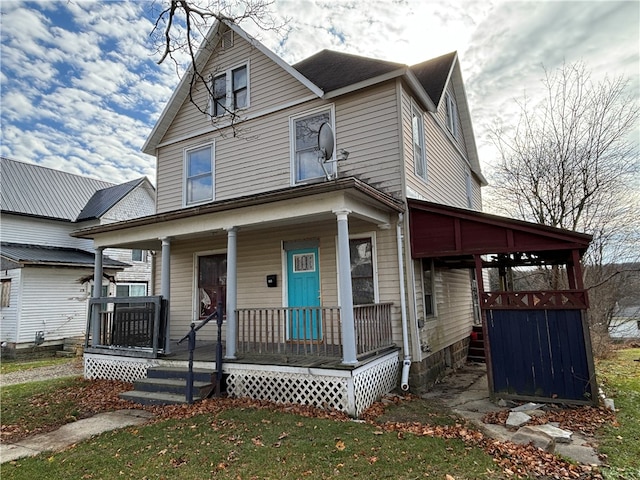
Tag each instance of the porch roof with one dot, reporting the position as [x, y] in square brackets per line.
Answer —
[288, 204]
[454, 235]
[24, 254]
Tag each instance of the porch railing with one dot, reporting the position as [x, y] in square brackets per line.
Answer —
[535, 300]
[135, 324]
[311, 331]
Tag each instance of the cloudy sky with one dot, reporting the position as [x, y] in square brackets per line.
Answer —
[81, 90]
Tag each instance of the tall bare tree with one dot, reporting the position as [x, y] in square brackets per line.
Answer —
[181, 28]
[571, 161]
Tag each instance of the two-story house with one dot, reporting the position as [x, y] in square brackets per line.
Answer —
[46, 274]
[302, 198]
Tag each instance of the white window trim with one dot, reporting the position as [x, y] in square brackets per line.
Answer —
[374, 255]
[137, 284]
[330, 165]
[415, 111]
[434, 306]
[451, 114]
[185, 173]
[229, 81]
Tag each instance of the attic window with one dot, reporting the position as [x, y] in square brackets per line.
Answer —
[452, 114]
[229, 91]
[227, 40]
[419, 156]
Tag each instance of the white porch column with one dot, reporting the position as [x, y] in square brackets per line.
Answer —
[97, 293]
[165, 287]
[232, 292]
[346, 294]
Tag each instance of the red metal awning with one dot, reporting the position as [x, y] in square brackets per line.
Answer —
[439, 231]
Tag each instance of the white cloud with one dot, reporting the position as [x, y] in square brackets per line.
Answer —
[81, 90]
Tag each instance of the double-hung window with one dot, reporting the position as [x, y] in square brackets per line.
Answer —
[199, 170]
[229, 91]
[419, 154]
[306, 161]
[362, 270]
[452, 114]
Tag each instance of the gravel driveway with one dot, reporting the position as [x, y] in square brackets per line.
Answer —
[70, 369]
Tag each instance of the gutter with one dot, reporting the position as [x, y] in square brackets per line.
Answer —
[406, 363]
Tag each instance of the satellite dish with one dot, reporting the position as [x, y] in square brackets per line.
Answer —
[325, 141]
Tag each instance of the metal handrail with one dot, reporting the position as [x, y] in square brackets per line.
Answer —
[191, 336]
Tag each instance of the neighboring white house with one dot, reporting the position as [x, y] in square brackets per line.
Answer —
[46, 274]
[625, 324]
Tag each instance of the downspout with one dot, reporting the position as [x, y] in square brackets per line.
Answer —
[406, 363]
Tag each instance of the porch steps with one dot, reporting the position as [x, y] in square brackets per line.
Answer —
[168, 386]
[476, 347]
[72, 347]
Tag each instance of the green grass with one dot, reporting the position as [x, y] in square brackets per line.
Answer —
[257, 444]
[620, 379]
[35, 405]
[9, 366]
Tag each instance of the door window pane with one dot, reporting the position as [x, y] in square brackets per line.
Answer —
[212, 283]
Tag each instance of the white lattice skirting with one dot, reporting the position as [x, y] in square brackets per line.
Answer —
[350, 391]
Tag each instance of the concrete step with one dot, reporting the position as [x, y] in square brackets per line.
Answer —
[169, 385]
[199, 374]
[155, 398]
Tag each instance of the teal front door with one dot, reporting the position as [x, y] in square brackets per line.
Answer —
[303, 289]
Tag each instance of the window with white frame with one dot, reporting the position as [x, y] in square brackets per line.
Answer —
[199, 170]
[428, 288]
[306, 163]
[131, 289]
[229, 91]
[419, 154]
[138, 255]
[362, 270]
[469, 189]
[452, 114]
[6, 293]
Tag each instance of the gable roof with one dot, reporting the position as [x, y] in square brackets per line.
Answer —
[37, 191]
[29, 189]
[206, 49]
[434, 74]
[105, 199]
[331, 70]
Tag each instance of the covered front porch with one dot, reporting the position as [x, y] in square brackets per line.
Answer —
[280, 266]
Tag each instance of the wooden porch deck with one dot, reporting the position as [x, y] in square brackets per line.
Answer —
[205, 351]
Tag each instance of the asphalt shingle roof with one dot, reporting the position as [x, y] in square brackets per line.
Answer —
[104, 199]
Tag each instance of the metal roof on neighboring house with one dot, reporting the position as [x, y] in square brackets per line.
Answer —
[30, 189]
[25, 254]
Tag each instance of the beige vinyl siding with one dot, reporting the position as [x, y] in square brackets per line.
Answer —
[446, 169]
[367, 127]
[441, 116]
[269, 87]
[260, 254]
[454, 310]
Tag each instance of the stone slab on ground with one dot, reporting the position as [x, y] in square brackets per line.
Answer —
[558, 434]
[72, 433]
[517, 419]
[527, 435]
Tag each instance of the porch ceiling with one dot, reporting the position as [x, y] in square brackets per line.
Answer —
[293, 205]
[454, 235]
